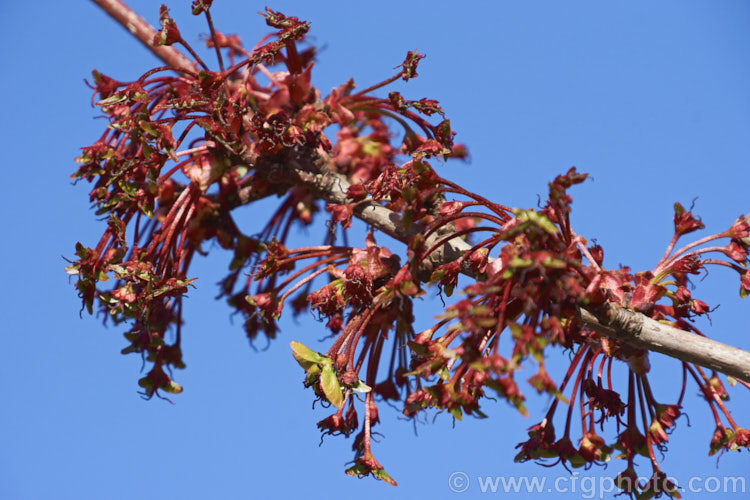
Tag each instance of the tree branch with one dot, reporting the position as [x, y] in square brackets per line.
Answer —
[642, 332]
[144, 32]
[611, 321]
[332, 188]
[632, 328]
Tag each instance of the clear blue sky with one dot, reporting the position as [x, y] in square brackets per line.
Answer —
[651, 98]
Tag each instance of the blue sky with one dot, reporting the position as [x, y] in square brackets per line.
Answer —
[650, 98]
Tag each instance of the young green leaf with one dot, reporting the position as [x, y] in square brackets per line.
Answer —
[172, 387]
[305, 356]
[361, 387]
[330, 385]
[383, 476]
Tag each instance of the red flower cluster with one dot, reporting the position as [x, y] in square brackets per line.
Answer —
[182, 151]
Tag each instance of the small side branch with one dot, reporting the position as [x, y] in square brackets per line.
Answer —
[144, 32]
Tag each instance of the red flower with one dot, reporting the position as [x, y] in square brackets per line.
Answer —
[740, 229]
[736, 251]
[604, 399]
[478, 259]
[417, 401]
[627, 480]
[336, 323]
[657, 433]
[338, 423]
[124, 294]
[409, 66]
[597, 253]
[540, 443]
[199, 6]
[357, 285]
[427, 106]
[745, 283]
[542, 382]
[719, 440]
[658, 484]
[687, 265]
[452, 207]
[667, 414]
[356, 192]
[646, 293]
[631, 442]
[698, 306]
[447, 276]
[367, 465]
[169, 33]
[567, 452]
[684, 221]
[431, 147]
[328, 300]
[268, 304]
[741, 439]
[592, 448]
[105, 87]
[387, 389]
[342, 214]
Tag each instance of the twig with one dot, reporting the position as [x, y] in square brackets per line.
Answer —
[144, 32]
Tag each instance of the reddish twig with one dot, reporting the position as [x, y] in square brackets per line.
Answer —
[144, 32]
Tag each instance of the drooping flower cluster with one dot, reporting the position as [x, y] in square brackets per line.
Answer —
[183, 151]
